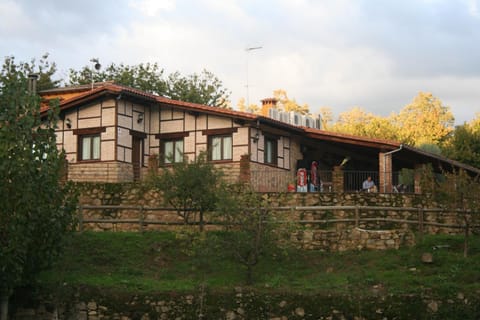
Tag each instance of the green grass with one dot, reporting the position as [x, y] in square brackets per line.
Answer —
[163, 261]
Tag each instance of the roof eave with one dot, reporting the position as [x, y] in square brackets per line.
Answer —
[445, 160]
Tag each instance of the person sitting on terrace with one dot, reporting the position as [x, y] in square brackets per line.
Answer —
[368, 185]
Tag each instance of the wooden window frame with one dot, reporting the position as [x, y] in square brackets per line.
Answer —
[222, 156]
[273, 151]
[162, 151]
[81, 151]
[88, 132]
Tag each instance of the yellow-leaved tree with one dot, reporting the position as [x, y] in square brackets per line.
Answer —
[326, 116]
[253, 108]
[287, 104]
[424, 121]
[357, 121]
[474, 125]
[284, 103]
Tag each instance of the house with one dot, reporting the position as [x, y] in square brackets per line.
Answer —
[114, 133]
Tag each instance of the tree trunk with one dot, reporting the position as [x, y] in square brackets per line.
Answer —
[249, 274]
[4, 307]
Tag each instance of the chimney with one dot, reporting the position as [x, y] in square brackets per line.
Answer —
[32, 82]
[267, 104]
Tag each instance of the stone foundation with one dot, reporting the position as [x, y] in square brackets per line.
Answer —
[100, 172]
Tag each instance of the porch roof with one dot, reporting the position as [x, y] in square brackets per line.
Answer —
[367, 149]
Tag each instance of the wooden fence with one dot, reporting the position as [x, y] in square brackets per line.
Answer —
[142, 222]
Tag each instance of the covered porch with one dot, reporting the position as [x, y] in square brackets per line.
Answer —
[343, 162]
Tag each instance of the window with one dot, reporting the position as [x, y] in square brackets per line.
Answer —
[172, 151]
[220, 147]
[90, 147]
[270, 153]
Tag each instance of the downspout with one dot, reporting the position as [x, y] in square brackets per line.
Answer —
[385, 166]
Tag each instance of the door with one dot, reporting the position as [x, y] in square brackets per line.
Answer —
[137, 156]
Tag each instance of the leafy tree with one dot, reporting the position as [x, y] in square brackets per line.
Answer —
[430, 147]
[144, 76]
[464, 143]
[352, 121]
[36, 209]
[460, 193]
[424, 121]
[189, 187]
[252, 108]
[381, 128]
[204, 88]
[287, 104]
[475, 123]
[326, 117]
[45, 71]
[358, 122]
[284, 103]
[249, 225]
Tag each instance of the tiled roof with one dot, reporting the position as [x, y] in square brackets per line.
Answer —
[85, 93]
[110, 87]
[205, 108]
[348, 137]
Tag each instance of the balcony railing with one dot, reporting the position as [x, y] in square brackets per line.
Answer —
[279, 181]
[401, 181]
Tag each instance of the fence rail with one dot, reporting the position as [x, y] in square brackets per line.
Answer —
[141, 221]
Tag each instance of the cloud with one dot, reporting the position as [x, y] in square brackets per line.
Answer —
[13, 20]
[152, 7]
[343, 53]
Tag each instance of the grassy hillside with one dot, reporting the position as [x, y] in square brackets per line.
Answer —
[157, 262]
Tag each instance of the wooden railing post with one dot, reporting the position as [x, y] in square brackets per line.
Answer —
[467, 229]
[80, 218]
[420, 223]
[141, 219]
[357, 216]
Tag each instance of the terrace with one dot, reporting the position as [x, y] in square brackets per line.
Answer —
[344, 181]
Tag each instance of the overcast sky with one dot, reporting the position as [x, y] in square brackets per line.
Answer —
[374, 54]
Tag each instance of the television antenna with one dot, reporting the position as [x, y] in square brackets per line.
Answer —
[95, 65]
[248, 50]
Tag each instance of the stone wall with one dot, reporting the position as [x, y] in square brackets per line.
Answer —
[245, 304]
[316, 231]
[419, 203]
[266, 178]
[100, 172]
[353, 239]
[129, 195]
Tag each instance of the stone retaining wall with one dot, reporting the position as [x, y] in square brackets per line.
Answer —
[244, 304]
[322, 236]
[353, 239]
